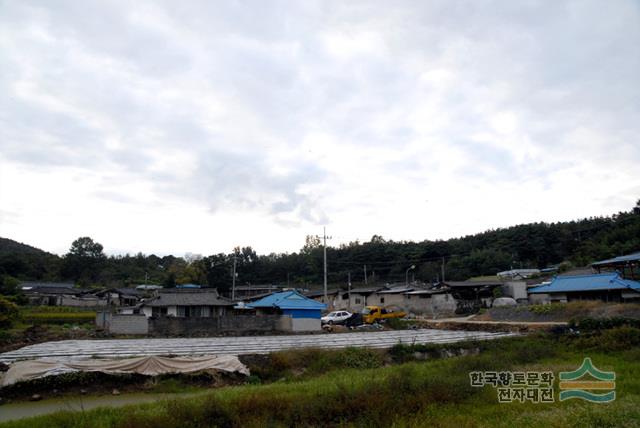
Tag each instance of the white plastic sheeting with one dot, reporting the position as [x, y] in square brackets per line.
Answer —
[151, 366]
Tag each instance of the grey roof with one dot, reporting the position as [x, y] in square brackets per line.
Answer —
[472, 284]
[33, 284]
[629, 258]
[129, 292]
[320, 293]
[56, 290]
[397, 290]
[258, 287]
[428, 292]
[364, 290]
[189, 297]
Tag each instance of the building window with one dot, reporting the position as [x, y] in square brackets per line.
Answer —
[382, 300]
[357, 301]
[195, 311]
[158, 312]
[190, 311]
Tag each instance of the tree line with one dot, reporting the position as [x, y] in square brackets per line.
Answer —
[534, 245]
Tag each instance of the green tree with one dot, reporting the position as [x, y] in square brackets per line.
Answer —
[84, 261]
[8, 313]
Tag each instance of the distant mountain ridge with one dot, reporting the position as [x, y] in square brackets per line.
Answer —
[9, 246]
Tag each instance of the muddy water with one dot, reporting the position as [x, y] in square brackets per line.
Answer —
[21, 410]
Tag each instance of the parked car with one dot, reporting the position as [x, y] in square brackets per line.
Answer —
[336, 317]
[354, 321]
[372, 314]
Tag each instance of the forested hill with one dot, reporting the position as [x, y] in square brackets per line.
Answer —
[9, 246]
[534, 245]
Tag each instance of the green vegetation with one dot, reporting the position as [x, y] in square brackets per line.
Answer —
[59, 317]
[530, 245]
[37, 315]
[8, 313]
[573, 311]
[426, 393]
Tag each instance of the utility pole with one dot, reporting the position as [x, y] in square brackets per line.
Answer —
[349, 290]
[233, 280]
[324, 238]
[365, 274]
[324, 250]
[442, 268]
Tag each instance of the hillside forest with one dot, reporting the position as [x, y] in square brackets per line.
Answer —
[535, 245]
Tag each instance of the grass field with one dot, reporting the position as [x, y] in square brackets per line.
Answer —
[56, 315]
[409, 393]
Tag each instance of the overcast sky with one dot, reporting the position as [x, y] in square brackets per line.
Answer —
[188, 126]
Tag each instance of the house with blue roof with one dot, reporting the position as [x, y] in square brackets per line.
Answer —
[299, 312]
[608, 287]
[628, 265]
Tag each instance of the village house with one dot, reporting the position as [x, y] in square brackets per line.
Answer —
[301, 312]
[392, 296]
[121, 296]
[608, 287]
[60, 294]
[250, 292]
[358, 298]
[187, 303]
[433, 303]
[628, 266]
[334, 299]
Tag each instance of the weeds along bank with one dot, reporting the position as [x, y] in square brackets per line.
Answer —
[311, 391]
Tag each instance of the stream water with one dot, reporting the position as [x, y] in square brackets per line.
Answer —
[12, 411]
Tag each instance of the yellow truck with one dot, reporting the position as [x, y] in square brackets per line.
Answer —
[371, 314]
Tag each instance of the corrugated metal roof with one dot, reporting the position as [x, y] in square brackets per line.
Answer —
[189, 297]
[57, 290]
[365, 290]
[320, 293]
[287, 300]
[35, 284]
[622, 259]
[472, 284]
[396, 290]
[595, 282]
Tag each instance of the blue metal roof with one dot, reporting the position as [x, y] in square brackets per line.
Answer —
[595, 282]
[287, 300]
[628, 258]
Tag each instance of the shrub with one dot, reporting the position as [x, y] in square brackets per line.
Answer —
[9, 313]
[614, 339]
[596, 324]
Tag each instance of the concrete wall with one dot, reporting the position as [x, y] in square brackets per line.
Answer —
[129, 324]
[170, 326]
[86, 302]
[333, 301]
[544, 299]
[305, 324]
[434, 306]
[122, 324]
[357, 302]
[515, 289]
[386, 299]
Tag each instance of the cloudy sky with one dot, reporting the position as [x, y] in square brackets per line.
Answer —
[196, 126]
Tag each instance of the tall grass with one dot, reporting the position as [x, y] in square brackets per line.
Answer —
[434, 392]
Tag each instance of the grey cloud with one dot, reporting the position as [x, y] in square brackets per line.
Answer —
[144, 75]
